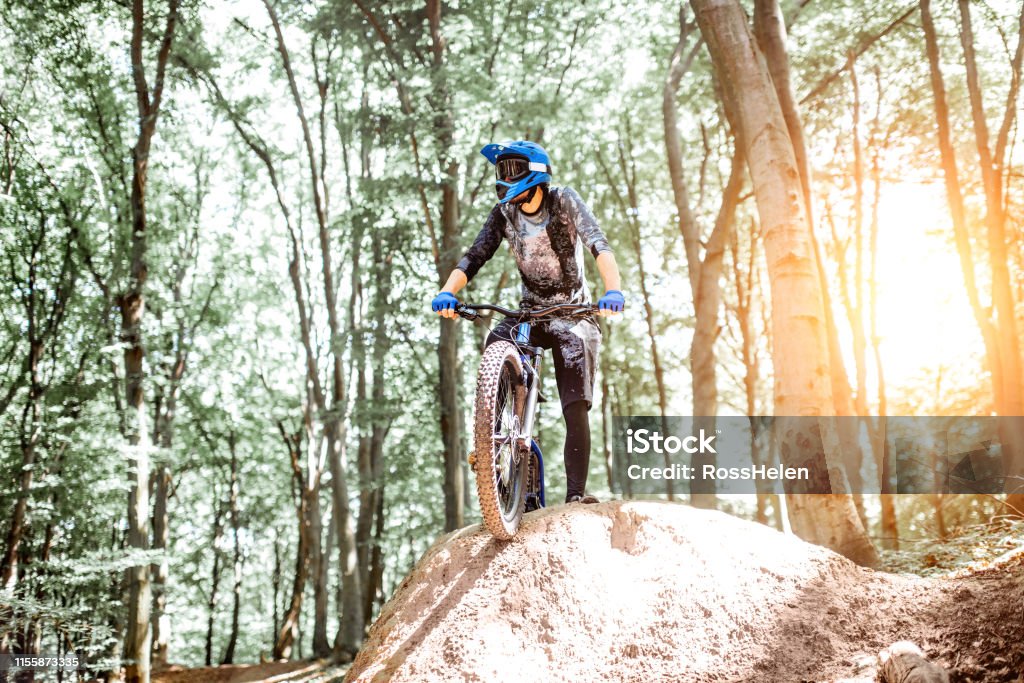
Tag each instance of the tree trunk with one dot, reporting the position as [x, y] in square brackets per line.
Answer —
[321, 646]
[954, 196]
[688, 228]
[707, 302]
[771, 36]
[770, 29]
[351, 626]
[132, 305]
[851, 290]
[855, 303]
[606, 420]
[375, 587]
[317, 562]
[445, 251]
[450, 384]
[161, 491]
[1011, 434]
[652, 336]
[745, 282]
[350, 586]
[30, 432]
[160, 617]
[236, 556]
[211, 602]
[364, 520]
[704, 272]
[878, 433]
[379, 426]
[631, 212]
[116, 620]
[286, 636]
[137, 638]
[801, 352]
[448, 351]
[275, 588]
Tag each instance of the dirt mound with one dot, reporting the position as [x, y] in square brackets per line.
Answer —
[642, 591]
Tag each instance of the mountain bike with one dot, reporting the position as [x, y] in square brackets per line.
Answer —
[506, 458]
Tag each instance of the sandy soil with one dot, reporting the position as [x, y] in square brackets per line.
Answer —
[646, 591]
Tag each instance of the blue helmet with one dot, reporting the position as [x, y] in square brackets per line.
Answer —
[518, 165]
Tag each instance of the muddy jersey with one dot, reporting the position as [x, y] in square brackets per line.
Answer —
[548, 247]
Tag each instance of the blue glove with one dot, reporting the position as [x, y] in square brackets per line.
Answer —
[442, 301]
[612, 301]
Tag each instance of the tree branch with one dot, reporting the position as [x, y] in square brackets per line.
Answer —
[864, 46]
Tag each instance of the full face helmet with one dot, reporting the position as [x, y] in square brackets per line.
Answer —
[518, 166]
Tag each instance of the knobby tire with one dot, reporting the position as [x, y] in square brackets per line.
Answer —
[501, 365]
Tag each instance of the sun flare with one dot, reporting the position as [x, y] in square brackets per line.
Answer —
[925, 323]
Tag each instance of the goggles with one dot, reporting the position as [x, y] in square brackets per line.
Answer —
[510, 169]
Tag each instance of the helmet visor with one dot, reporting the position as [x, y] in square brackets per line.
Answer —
[510, 169]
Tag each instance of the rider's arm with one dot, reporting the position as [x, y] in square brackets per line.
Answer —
[456, 281]
[593, 237]
[609, 271]
[484, 246]
[587, 228]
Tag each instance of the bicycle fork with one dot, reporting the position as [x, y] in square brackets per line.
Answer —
[532, 394]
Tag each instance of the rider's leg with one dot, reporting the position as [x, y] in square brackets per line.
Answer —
[574, 348]
[577, 448]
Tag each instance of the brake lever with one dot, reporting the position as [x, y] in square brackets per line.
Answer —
[466, 312]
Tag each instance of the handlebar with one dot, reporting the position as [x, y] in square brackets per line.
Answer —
[470, 311]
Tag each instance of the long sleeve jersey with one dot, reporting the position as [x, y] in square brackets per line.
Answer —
[548, 247]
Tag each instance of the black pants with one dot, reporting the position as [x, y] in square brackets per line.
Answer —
[574, 345]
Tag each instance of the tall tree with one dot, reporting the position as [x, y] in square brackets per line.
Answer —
[877, 426]
[132, 305]
[629, 206]
[992, 161]
[770, 30]
[800, 352]
[445, 247]
[45, 285]
[189, 307]
[997, 323]
[704, 270]
[236, 550]
[448, 255]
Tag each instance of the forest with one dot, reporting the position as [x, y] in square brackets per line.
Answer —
[230, 424]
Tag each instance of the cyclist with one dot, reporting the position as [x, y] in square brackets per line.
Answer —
[547, 229]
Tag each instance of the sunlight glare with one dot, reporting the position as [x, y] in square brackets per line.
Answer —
[924, 317]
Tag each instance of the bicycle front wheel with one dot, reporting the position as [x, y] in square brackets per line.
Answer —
[498, 462]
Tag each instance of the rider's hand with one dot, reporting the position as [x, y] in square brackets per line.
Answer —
[611, 303]
[444, 305]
